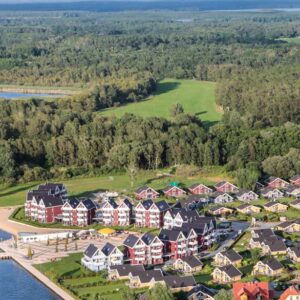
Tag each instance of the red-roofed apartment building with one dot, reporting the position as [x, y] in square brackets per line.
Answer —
[252, 291]
[290, 293]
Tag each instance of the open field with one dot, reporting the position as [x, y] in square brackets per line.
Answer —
[82, 284]
[195, 96]
[295, 41]
[79, 187]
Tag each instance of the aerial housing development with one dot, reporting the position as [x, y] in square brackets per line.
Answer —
[173, 240]
[150, 150]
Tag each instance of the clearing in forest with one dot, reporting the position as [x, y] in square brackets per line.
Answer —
[197, 97]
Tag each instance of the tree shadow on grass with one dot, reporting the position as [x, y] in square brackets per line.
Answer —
[20, 189]
[165, 87]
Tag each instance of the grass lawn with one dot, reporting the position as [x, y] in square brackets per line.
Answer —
[294, 41]
[197, 97]
[80, 283]
[83, 186]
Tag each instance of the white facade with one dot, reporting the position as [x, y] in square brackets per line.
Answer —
[99, 261]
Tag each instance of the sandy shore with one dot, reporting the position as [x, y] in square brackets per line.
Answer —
[14, 227]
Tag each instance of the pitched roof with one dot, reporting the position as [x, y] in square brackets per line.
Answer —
[141, 189]
[73, 202]
[290, 291]
[295, 177]
[291, 188]
[50, 187]
[88, 203]
[271, 203]
[200, 288]
[147, 276]
[128, 203]
[124, 270]
[90, 250]
[51, 201]
[169, 234]
[192, 261]
[37, 194]
[193, 186]
[162, 205]
[251, 289]
[175, 281]
[275, 245]
[273, 263]
[295, 202]
[266, 190]
[232, 255]
[230, 270]
[131, 240]
[147, 204]
[216, 208]
[148, 238]
[272, 178]
[243, 206]
[296, 250]
[264, 232]
[108, 248]
[242, 192]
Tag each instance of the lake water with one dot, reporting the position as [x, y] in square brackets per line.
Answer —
[4, 235]
[16, 284]
[15, 95]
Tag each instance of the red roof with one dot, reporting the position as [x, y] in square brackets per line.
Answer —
[252, 290]
[291, 291]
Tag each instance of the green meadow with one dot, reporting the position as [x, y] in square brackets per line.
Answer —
[82, 186]
[197, 97]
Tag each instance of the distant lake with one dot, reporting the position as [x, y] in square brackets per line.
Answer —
[16, 95]
[16, 284]
[4, 235]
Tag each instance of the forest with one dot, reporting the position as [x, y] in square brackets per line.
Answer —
[117, 62]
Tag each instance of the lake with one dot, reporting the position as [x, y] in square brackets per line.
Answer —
[16, 95]
[4, 235]
[16, 283]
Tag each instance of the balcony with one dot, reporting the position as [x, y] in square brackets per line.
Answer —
[156, 250]
[156, 256]
[193, 243]
[140, 258]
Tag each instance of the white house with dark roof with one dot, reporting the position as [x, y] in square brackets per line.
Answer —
[271, 193]
[293, 253]
[221, 198]
[201, 292]
[228, 257]
[188, 264]
[295, 204]
[96, 259]
[275, 207]
[268, 267]
[293, 190]
[178, 217]
[246, 195]
[226, 274]
[248, 209]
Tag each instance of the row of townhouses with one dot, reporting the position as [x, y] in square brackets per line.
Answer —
[272, 189]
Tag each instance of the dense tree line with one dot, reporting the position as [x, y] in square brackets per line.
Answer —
[116, 62]
[39, 139]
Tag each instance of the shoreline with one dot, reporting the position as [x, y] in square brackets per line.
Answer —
[40, 277]
[38, 90]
